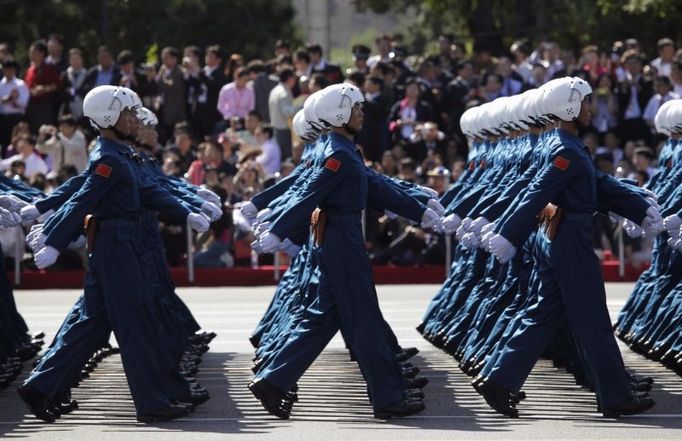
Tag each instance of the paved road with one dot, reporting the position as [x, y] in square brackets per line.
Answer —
[333, 405]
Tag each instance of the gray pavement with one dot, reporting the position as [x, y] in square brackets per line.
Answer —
[332, 403]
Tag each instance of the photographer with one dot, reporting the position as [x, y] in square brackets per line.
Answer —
[66, 146]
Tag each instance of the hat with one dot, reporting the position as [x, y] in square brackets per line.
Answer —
[360, 51]
[439, 171]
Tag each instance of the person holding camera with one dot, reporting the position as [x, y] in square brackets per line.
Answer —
[63, 145]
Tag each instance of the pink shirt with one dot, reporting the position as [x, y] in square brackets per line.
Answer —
[233, 101]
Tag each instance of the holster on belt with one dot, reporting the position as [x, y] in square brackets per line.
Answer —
[318, 223]
[90, 229]
[553, 216]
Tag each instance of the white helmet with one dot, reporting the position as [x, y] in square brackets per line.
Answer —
[309, 112]
[673, 116]
[103, 105]
[301, 126]
[564, 100]
[147, 117]
[498, 115]
[465, 122]
[336, 104]
[519, 117]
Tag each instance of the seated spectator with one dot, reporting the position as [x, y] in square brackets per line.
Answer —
[26, 153]
[427, 141]
[407, 113]
[664, 92]
[603, 160]
[63, 146]
[642, 162]
[270, 157]
[184, 145]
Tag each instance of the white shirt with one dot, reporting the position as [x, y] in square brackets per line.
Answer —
[6, 87]
[271, 157]
[34, 164]
[654, 103]
[63, 150]
[664, 68]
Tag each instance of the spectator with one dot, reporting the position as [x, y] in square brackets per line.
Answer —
[65, 146]
[664, 92]
[591, 64]
[43, 82]
[282, 109]
[236, 98]
[55, 50]
[666, 54]
[262, 84]
[360, 57]
[183, 145]
[428, 142]
[373, 138]
[604, 105]
[234, 62]
[302, 63]
[512, 82]
[212, 79]
[407, 113]
[491, 86]
[104, 73]
[73, 80]
[522, 66]
[642, 163]
[633, 95]
[33, 163]
[130, 77]
[271, 157]
[282, 48]
[331, 71]
[14, 96]
[603, 161]
[172, 100]
[676, 77]
[383, 44]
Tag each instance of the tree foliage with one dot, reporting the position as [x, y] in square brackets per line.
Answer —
[572, 24]
[249, 27]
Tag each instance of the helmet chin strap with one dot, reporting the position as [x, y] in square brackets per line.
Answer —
[350, 130]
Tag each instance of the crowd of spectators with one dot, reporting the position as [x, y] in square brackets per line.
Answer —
[225, 122]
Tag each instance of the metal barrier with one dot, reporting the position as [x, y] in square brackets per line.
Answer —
[621, 249]
[18, 254]
[448, 254]
[190, 253]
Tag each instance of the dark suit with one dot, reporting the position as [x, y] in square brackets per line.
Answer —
[332, 72]
[634, 128]
[205, 115]
[423, 110]
[262, 86]
[91, 79]
[419, 150]
[374, 134]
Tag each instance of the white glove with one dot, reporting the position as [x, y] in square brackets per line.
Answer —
[677, 245]
[35, 231]
[9, 219]
[38, 242]
[653, 222]
[430, 191]
[431, 220]
[208, 195]
[485, 240]
[249, 210]
[672, 222]
[451, 223]
[12, 202]
[212, 210]
[29, 213]
[649, 194]
[81, 242]
[198, 222]
[263, 214]
[615, 218]
[478, 224]
[464, 228]
[45, 257]
[255, 246]
[390, 214]
[653, 202]
[502, 248]
[487, 228]
[470, 240]
[632, 229]
[45, 216]
[269, 242]
[261, 228]
[436, 206]
[289, 247]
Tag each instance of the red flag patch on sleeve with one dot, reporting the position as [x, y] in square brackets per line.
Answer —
[333, 164]
[103, 170]
[561, 163]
